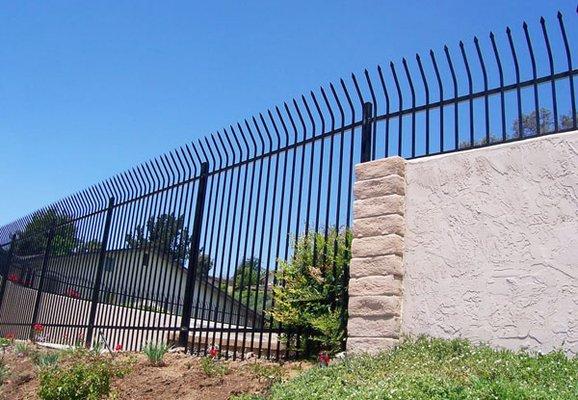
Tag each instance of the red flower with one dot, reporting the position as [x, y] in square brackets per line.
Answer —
[118, 347]
[213, 352]
[70, 292]
[324, 359]
[13, 278]
[10, 336]
[38, 328]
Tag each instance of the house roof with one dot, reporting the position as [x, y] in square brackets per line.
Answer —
[210, 281]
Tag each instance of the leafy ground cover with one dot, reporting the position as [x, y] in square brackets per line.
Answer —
[432, 369]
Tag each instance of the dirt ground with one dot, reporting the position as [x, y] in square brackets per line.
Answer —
[181, 377]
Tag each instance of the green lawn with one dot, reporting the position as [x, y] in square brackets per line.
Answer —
[438, 369]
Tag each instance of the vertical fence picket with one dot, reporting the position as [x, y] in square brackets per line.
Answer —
[366, 132]
[193, 259]
[6, 270]
[38, 299]
[98, 277]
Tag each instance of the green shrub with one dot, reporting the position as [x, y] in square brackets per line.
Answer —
[155, 352]
[436, 369]
[309, 296]
[80, 381]
[4, 343]
[213, 368]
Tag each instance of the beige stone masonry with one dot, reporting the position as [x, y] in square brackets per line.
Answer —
[370, 266]
[376, 271]
[377, 226]
[376, 285]
[377, 206]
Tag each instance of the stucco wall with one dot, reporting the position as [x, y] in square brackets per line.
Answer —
[491, 245]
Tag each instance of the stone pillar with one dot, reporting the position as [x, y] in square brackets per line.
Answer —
[376, 272]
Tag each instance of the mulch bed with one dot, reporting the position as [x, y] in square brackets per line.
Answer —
[181, 377]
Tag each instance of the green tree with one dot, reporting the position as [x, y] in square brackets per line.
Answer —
[167, 234]
[309, 295]
[248, 273]
[33, 239]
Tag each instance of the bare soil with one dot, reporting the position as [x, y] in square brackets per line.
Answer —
[181, 377]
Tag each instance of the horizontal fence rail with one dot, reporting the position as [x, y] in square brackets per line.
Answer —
[187, 247]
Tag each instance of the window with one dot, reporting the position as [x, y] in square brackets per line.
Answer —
[109, 264]
[145, 259]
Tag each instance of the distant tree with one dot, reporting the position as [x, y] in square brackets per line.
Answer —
[205, 264]
[90, 246]
[248, 273]
[530, 125]
[167, 234]
[566, 122]
[33, 239]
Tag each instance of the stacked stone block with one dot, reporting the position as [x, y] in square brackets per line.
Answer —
[376, 272]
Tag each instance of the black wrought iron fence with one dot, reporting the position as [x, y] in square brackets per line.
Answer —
[186, 247]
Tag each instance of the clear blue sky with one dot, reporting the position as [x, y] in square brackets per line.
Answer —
[88, 89]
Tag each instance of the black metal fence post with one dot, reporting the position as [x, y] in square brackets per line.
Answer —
[6, 270]
[194, 257]
[366, 132]
[99, 269]
[41, 283]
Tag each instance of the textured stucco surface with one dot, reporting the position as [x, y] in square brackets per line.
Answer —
[491, 245]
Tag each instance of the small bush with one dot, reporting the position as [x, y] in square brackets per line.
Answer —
[309, 295]
[80, 381]
[213, 368]
[5, 342]
[155, 352]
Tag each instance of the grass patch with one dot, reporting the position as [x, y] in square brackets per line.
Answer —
[44, 360]
[4, 372]
[271, 372]
[431, 369]
[22, 348]
[155, 353]
[213, 368]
